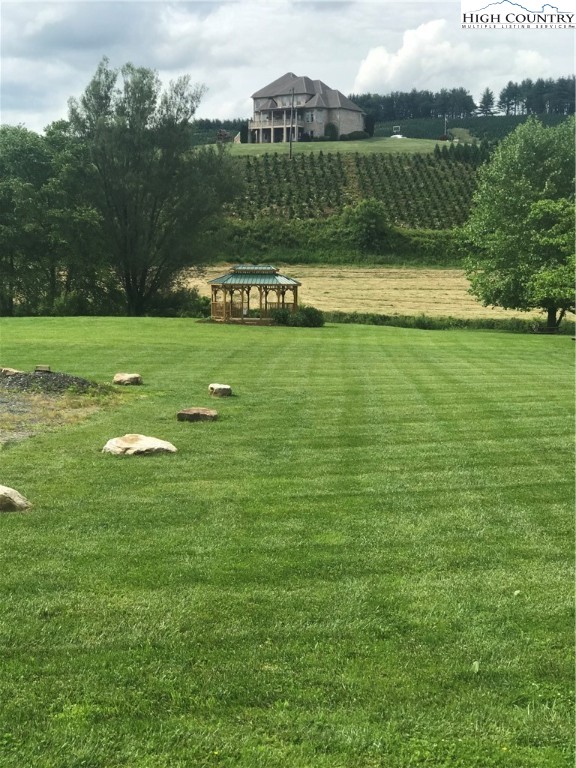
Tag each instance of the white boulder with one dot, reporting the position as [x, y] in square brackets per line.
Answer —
[127, 378]
[220, 390]
[129, 445]
[11, 500]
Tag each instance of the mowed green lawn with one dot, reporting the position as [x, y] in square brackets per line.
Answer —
[380, 144]
[365, 562]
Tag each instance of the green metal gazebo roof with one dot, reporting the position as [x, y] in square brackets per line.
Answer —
[254, 274]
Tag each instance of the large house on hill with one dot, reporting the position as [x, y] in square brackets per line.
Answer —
[300, 108]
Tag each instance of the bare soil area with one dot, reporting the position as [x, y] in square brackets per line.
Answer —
[33, 402]
[382, 290]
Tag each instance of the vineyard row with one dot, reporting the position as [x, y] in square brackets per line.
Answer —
[417, 191]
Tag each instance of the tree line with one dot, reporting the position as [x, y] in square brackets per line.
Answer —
[104, 212]
[530, 97]
[101, 214]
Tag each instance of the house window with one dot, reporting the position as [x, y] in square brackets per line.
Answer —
[309, 117]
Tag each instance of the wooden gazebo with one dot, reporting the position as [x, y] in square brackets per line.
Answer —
[249, 293]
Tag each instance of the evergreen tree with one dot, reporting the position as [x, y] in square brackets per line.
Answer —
[486, 105]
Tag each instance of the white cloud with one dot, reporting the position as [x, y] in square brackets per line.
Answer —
[532, 63]
[51, 49]
[436, 55]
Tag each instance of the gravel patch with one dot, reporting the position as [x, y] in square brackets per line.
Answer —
[46, 381]
[31, 402]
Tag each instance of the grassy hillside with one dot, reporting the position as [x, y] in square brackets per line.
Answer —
[364, 563]
[489, 128]
[366, 146]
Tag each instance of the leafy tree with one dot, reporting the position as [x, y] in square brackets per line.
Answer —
[157, 198]
[551, 286]
[48, 250]
[24, 174]
[364, 225]
[520, 234]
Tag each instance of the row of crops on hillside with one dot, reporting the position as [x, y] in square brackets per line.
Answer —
[418, 191]
[305, 186]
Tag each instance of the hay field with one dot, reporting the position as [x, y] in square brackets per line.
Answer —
[383, 290]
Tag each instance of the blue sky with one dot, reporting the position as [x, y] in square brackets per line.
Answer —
[50, 50]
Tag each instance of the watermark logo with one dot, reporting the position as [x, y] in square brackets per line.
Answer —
[508, 15]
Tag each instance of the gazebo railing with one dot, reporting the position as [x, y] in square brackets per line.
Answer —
[237, 311]
[272, 305]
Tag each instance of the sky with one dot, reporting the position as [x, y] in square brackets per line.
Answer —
[49, 51]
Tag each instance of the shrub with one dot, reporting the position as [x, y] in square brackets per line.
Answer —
[331, 132]
[354, 136]
[440, 323]
[179, 302]
[280, 316]
[364, 225]
[304, 317]
[308, 317]
[440, 246]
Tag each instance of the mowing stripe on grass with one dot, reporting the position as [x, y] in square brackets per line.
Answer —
[364, 562]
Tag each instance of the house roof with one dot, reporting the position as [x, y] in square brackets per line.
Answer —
[283, 86]
[320, 94]
[254, 274]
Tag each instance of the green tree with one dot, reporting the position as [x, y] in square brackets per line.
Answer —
[33, 208]
[46, 228]
[81, 281]
[486, 105]
[365, 227]
[551, 286]
[520, 234]
[158, 199]
[24, 172]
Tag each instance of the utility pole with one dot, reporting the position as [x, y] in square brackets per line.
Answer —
[291, 122]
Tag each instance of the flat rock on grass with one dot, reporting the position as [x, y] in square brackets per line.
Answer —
[197, 414]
